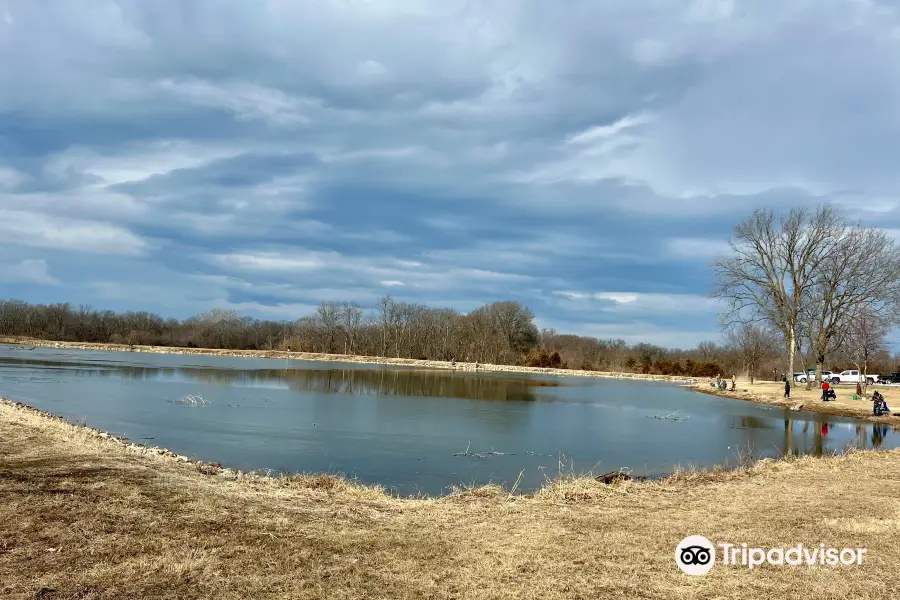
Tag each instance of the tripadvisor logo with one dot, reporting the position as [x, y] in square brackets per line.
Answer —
[696, 555]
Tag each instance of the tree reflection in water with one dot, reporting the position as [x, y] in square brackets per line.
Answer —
[356, 381]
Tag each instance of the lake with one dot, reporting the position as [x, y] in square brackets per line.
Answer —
[403, 427]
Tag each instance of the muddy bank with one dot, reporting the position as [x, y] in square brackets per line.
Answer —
[346, 358]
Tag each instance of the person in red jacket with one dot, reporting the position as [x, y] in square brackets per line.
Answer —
[825, 387]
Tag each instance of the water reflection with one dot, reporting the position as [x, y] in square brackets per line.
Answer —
[395, 426]
[810, 434]
[356, 382]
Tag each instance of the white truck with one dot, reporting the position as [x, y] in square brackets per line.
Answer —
[853, 376]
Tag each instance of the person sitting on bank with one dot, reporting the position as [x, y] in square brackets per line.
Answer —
[879, 405]
[826, 391]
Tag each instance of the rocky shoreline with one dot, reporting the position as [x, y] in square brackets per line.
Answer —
[348, 358]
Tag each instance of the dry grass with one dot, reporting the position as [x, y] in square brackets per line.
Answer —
[86, 517]
[768, 392]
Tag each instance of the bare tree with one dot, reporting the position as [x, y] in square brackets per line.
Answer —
[753, 345]
[866, 332]
[862, 271]
[387, 311]
[708, 351]
[351, 319]
[772, 269]
[330, 317]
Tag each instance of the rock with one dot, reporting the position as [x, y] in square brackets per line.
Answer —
[615, 476]
[104, 435]
[228, 474]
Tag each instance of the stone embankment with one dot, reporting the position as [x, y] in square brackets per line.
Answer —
[348, 358]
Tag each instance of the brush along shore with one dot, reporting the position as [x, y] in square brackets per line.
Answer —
[85, 516]
[772, 393]
[345, 358]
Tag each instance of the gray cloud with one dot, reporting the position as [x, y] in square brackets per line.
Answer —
[266, 156]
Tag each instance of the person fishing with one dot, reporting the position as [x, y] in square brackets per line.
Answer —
[879, 404]
[787, 388]
[827, 392]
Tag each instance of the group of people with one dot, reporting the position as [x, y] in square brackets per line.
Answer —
[722, 384]
[879, 404]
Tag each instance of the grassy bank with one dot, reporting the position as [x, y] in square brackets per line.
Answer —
[350, 358]
[768, 392]
[84, 516]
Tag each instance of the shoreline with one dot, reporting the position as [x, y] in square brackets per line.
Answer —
[346, 358]
[770, 397]
[807, 399]
[84, 517]
[219, 471]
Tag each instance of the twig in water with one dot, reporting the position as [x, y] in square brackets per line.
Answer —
[191, 400]
[670, 417]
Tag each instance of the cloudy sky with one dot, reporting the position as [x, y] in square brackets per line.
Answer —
[587, 158]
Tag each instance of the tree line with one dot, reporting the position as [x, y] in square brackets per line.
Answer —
[498, 333]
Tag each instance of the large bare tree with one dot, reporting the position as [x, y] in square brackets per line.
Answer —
[773, 267]
[863, 271]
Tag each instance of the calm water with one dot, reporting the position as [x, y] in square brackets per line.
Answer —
[402, 427]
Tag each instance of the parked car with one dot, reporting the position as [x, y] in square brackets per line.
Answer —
[891, 378]
[810, 375]
[854, 376]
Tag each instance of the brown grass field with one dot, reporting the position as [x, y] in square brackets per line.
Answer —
[83, 516]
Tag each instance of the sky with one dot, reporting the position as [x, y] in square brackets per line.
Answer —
[586, 158]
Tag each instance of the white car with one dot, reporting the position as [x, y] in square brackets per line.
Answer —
[853, 376]
[811, 375]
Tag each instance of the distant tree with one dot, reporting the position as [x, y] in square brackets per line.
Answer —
[753, 345]
[866, 332]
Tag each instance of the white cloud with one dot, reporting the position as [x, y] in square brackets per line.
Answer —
[636, 331]
[275, 261]
[44, 231]
[284, 311]
[142, 162]
[702, 249]
[10, 178]
[605, 132]
[244, 100]
[33, 271]
[634, 303]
